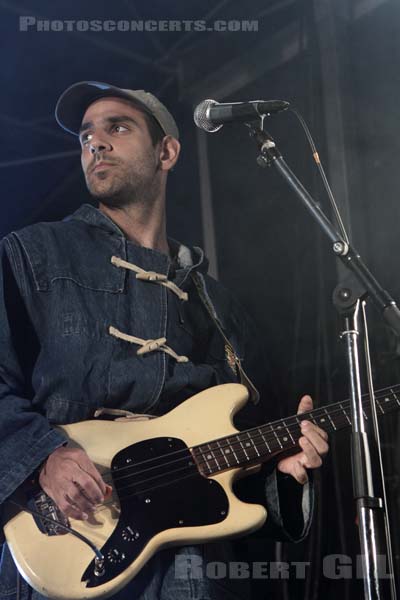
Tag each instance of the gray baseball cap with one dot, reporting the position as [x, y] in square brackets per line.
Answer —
[73, 103]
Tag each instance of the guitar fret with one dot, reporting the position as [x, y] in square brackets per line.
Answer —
[234, 453]
[265, 441]
[206, 461]
[275, 434]
[211, 455]
[243, 448]
[285, 439]
[345, 413]
[254, 445]
[395, 396]
[317, 421]
[223, 454]
[329, 417]
[230, 450]
[257, 444]
[249, 444]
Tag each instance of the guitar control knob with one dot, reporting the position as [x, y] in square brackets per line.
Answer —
[115, 556]
[129, 534]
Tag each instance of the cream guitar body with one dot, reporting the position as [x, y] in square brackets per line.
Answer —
[162, 497]
[172, 483]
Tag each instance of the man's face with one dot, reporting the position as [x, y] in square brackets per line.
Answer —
[120, 164]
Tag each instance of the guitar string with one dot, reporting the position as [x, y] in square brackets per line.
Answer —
[188, 468]
[237, 444]
[303, 416]
[271, 437]
[204, 461]
[169, 472]
[194, 470]
[200, 462]
[194, 473]
[169, 482]
[145, 490]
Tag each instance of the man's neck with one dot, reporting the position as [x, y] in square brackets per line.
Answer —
[142, 225]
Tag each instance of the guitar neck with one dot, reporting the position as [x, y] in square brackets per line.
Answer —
[259, 444]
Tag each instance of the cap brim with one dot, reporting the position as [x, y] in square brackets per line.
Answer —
[73, 103]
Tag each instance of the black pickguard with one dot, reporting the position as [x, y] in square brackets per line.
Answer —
[155, 496]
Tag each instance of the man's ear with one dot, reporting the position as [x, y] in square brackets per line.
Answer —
[169, 152]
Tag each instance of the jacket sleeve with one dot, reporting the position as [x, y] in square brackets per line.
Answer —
[26, 437]
[289, 504]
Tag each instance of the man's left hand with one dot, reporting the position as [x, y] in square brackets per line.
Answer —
[314, 445]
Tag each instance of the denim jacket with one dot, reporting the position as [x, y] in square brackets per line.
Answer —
[60, 293]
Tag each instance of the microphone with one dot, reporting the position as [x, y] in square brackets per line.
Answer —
[210, 115]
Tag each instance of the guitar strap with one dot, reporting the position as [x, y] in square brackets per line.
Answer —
[233, 360]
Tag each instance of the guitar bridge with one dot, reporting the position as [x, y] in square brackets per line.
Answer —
[41, 503]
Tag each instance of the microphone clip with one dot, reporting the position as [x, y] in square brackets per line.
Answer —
[265, 143]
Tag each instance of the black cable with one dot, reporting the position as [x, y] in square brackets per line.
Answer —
[81, 537]
[323, 175]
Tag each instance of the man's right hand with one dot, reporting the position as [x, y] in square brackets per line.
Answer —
[70, 478]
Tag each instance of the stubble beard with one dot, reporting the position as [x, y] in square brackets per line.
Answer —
[124, 187]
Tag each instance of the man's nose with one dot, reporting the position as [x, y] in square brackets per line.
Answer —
[98, 145]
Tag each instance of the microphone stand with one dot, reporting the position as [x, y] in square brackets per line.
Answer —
[349, 295]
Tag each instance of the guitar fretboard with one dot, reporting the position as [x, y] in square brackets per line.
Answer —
[258, 444]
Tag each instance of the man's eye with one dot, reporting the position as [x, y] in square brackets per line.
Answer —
[120, 128]
[85, 139]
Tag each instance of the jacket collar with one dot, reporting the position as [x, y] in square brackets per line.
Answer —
[93, 216]
[187, 258]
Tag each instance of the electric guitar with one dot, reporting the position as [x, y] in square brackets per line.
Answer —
[172, 480]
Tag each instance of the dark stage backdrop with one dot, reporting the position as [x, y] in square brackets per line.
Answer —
[343, 80]
[337, 61]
